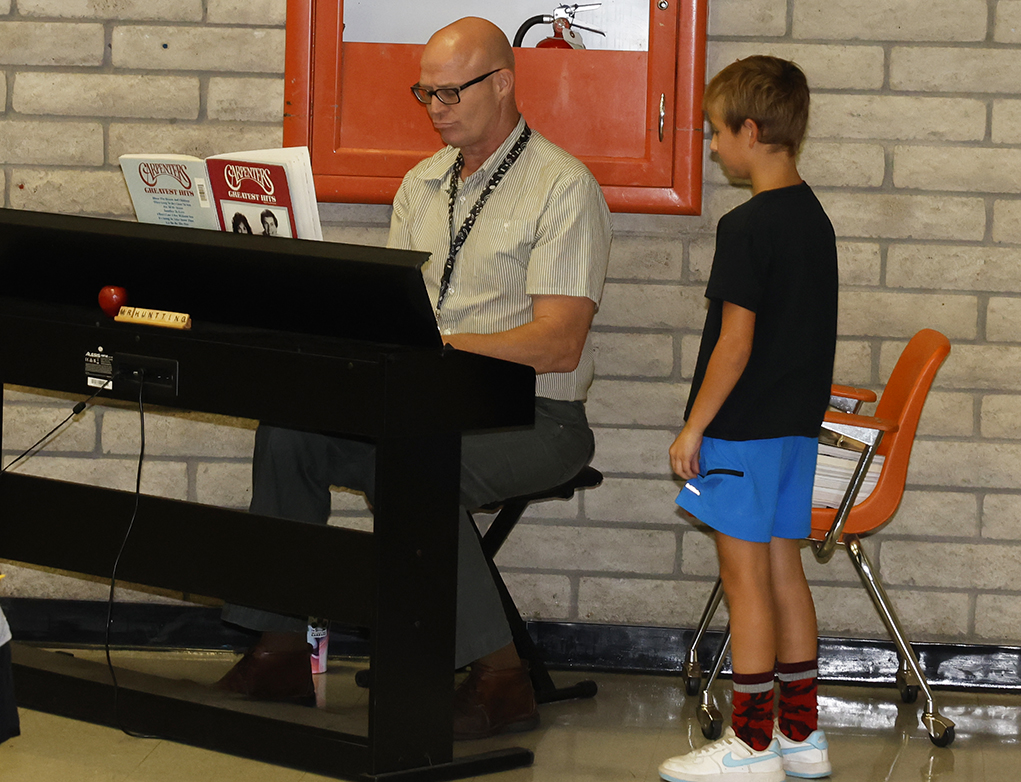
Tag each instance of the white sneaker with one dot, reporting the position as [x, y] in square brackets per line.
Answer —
[808, 759]
[726, 760]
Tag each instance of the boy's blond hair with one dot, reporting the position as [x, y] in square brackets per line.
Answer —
[767, 90]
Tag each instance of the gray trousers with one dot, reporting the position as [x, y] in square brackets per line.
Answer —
[292, 473]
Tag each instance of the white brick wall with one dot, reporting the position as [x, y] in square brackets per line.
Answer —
[162, 10]
[894, 20]
[50, 43]
[252, 50]
[106, 95]
[914, 148]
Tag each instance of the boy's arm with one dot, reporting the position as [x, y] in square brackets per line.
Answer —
[727, 362]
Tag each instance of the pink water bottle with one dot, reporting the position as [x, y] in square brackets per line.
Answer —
[319, 640]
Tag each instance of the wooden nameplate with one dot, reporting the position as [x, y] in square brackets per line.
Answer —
[170, 320]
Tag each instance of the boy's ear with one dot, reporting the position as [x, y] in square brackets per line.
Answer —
[750, 129]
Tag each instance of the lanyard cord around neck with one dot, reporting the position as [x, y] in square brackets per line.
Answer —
[456, 242]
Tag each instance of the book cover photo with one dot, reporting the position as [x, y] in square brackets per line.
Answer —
[252, 197]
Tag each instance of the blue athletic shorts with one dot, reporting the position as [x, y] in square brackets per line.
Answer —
[754, 489]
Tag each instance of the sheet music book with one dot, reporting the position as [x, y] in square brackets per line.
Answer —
[268, 192]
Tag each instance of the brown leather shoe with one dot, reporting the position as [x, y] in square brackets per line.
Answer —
[272, 676]
[492, 701]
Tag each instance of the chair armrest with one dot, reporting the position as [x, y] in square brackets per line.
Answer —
[863, 428]
[850, 392]
[850, 399]
[860, 421]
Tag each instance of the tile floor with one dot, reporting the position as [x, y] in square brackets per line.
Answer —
[621, 735]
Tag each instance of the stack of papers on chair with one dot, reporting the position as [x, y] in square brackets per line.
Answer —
[833, 473]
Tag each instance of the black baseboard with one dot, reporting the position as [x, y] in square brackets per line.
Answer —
[662, 650]
[565, 645]
[83, 623]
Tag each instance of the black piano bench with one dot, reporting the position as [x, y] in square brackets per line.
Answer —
[510, 512]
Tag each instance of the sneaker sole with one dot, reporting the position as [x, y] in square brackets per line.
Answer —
[778, 776]
[815, 773]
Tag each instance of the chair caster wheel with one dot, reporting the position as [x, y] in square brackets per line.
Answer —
[909, 693]
[711, 722]
[692, 685]
[940, 729]
[944, 740]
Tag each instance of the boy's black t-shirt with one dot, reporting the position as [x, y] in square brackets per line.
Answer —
[775, 255]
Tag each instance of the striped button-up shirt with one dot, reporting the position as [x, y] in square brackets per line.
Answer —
[545, 230]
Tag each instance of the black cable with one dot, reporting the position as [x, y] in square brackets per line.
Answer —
[527, 25]
[116, 563]
[74, 411]
[78, 408]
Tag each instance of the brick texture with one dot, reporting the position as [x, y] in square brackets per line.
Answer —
[1007, 221]
[954, 268]
[197, 49]
[257, 100]
[107, 95]
[962, 169]
[26, 43]
[939, 20]
[122, 10]
[897, 117]
[250, 12]
[48, 143]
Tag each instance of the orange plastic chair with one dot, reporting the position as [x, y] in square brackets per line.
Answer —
[889, 433]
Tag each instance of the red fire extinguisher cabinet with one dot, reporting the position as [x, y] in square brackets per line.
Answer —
[633, 117]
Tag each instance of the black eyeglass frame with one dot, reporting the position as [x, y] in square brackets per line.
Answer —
[430, 94]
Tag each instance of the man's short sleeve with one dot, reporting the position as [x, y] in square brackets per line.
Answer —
[399, 237]
[572, 243]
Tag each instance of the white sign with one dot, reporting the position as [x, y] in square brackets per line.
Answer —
[625, 22]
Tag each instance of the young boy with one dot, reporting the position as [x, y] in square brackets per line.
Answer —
[748, 446]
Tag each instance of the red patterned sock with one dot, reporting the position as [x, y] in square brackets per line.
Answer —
[753, 709]
[799, 711]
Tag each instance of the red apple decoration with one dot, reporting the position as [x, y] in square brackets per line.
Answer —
[112, 298]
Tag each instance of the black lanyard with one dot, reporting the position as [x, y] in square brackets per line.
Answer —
[456, 242]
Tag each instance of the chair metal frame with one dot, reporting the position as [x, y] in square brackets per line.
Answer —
[891, 433]
[511, 511]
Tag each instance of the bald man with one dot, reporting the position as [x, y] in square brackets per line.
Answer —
[518, 234]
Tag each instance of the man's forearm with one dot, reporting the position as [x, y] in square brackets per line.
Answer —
[530, 344]
[552, 341]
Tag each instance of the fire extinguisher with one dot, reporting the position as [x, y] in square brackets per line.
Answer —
[564, 35]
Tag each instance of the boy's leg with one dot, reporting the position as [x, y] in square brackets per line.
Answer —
[745, 571]
[797, 633]
[750, 751]
[797, 644]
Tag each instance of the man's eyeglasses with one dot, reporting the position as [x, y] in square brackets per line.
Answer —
[447, 95]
